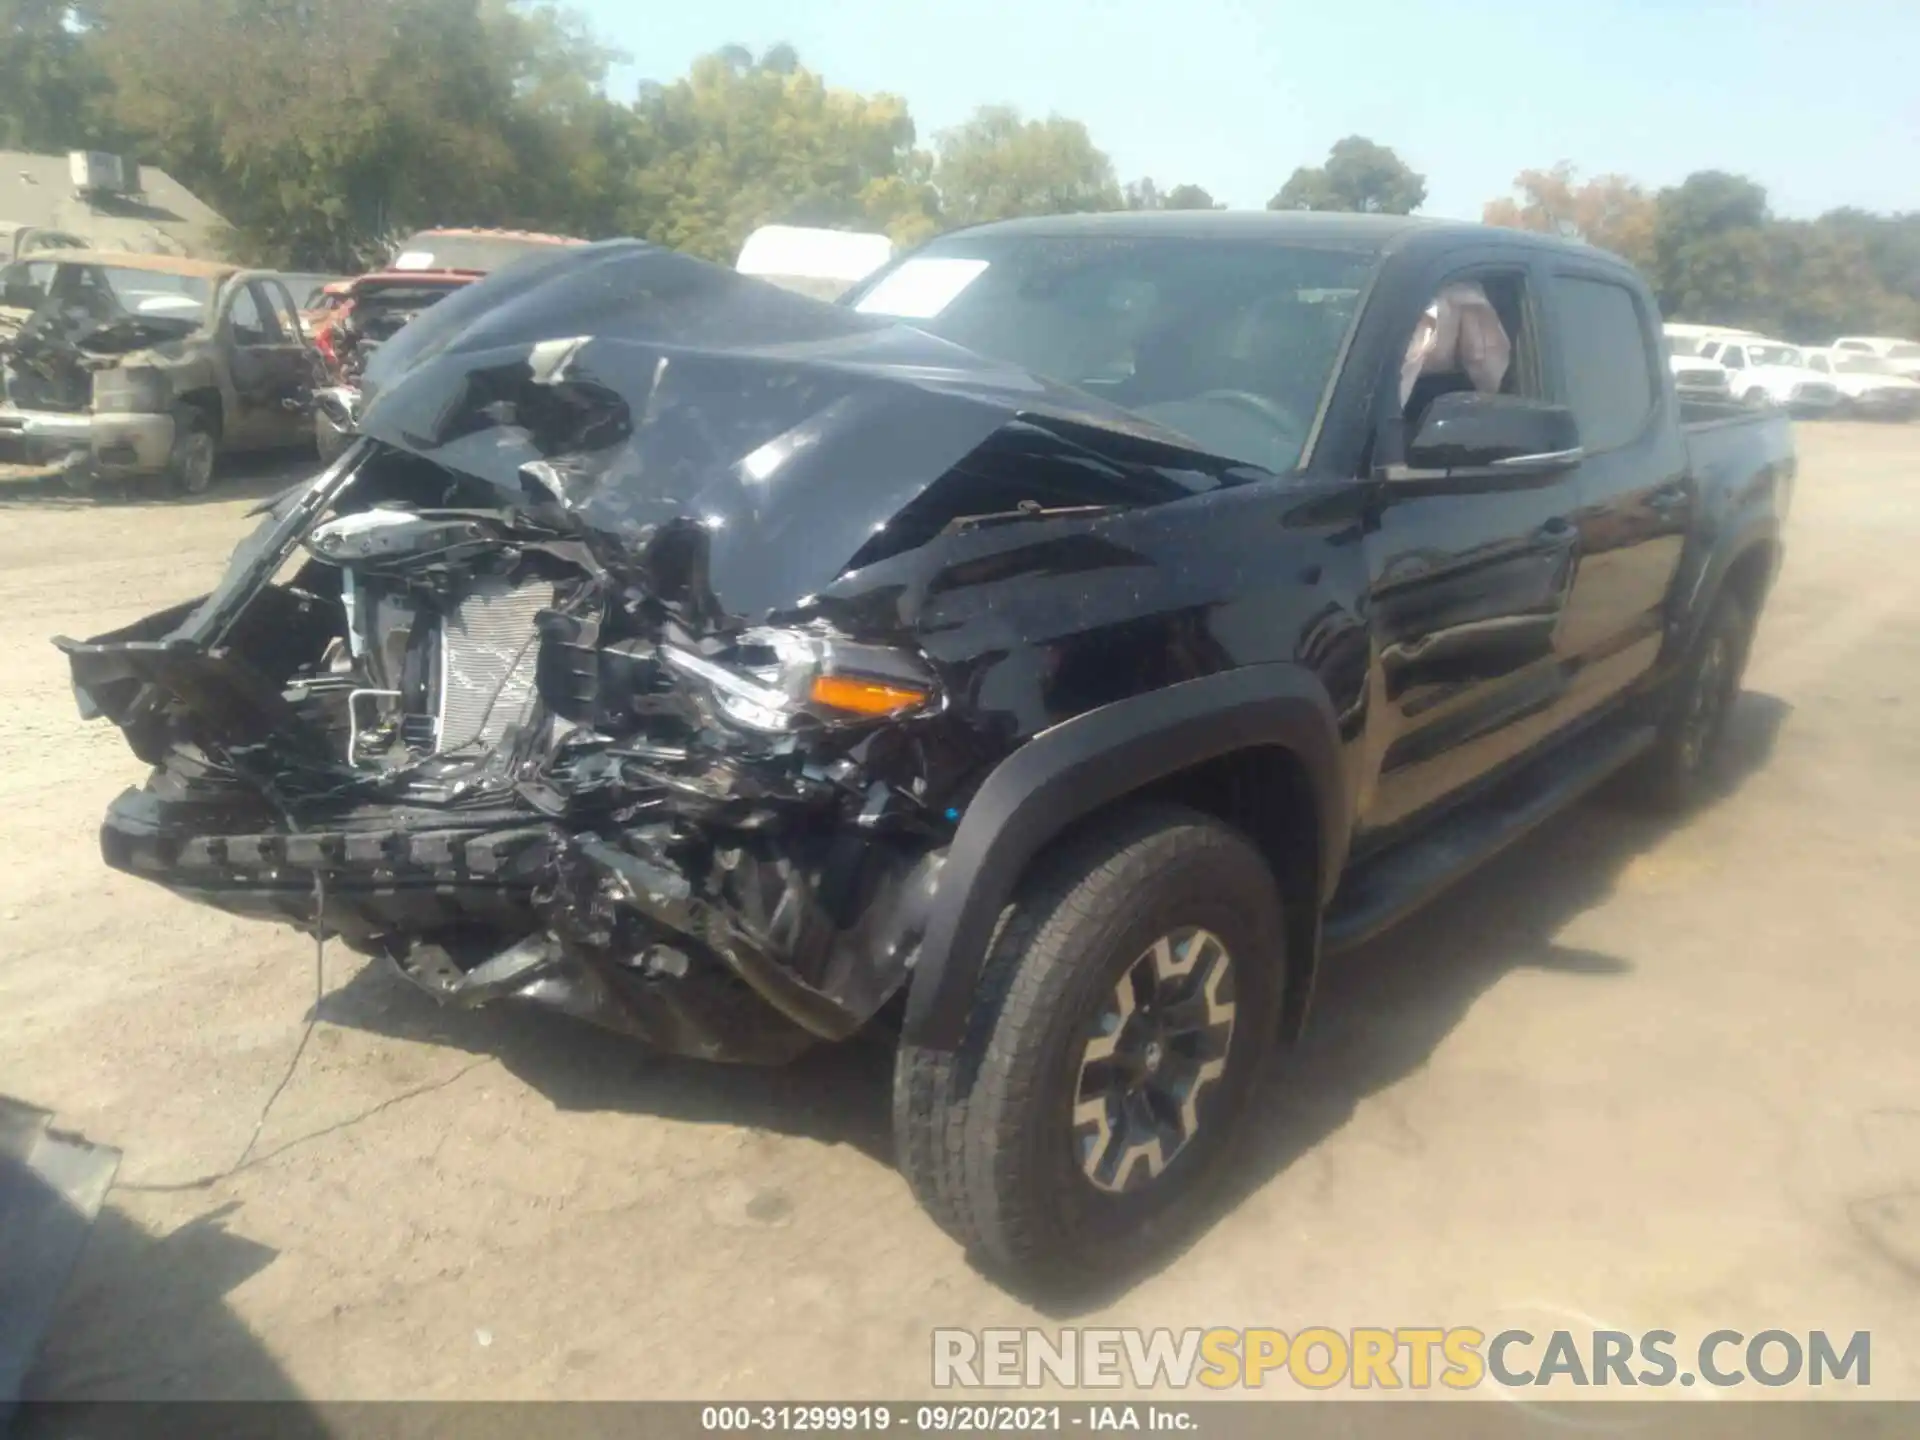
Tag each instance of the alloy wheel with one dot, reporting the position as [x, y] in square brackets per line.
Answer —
[1159, 1041]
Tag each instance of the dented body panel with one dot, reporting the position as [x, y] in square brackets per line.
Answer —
[698, 659]
[98, 380]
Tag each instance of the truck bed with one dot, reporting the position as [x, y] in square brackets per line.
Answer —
[1731, 446]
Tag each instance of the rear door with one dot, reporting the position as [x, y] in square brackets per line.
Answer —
[1469, 576]
[1635, 497]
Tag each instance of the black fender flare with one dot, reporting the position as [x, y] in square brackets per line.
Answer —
[1072, 769]
[1752, 531]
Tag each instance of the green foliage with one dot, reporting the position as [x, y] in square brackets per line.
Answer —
[1191, 197]
[52, 93]
[1359, 176]
[1143, 194]
[998, 165]
[740, 143]
[1716, 255]
[1609, 211]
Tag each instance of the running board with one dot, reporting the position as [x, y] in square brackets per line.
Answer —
[1382, 891]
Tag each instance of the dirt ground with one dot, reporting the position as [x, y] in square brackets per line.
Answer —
[1636, 1075]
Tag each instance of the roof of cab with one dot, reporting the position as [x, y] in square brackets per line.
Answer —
[215, 270]
[1334, 229]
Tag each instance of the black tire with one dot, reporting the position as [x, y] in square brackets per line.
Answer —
[987, 1136]
[196, 449]
[1674, 773]
[329, 440]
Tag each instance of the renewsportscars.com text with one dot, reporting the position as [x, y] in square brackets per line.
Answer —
[1414, 1358]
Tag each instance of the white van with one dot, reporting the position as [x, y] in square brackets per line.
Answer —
[822, 263]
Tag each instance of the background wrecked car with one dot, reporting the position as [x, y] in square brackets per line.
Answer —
[147, 368]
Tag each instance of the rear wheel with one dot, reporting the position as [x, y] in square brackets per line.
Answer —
[1675, 771]
[1127, 1004]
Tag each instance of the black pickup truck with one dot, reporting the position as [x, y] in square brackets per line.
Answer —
[1039, 659]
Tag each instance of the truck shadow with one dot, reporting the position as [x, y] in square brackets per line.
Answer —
[1380, 1013]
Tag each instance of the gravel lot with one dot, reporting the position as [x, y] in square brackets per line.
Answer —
[1636, 1075]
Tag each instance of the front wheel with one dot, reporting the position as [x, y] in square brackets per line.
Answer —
[1130, 998]
[195, 451]
[329, 439]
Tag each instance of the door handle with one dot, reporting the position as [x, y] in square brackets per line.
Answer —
[1558, 528]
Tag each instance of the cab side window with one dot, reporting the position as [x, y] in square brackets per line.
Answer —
[278, 310]
[1610, 375]
[1734, 358]
[1475, 335]
[246, 319]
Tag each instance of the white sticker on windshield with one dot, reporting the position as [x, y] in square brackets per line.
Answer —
[921, 289]
[413, 260]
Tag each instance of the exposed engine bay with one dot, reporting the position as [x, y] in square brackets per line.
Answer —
[48, 357]
[639, 680]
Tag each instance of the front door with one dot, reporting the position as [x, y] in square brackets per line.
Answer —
[1469, 577]
[268, 357]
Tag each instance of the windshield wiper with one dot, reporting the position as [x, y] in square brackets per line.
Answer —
[1025, 510]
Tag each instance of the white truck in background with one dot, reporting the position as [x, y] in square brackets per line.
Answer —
[1904, 355]
[1871, 387]
[1760, 371]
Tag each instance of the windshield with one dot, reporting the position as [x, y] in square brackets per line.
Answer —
[1777, 355]
[1229, 343]
[106, 293]
[433, 250]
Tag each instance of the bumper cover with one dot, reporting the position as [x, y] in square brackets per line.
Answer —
[621, 939]
[113, 444]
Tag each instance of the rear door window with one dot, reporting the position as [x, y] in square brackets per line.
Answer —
[1608, 363]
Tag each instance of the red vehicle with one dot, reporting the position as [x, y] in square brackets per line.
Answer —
[368, 310]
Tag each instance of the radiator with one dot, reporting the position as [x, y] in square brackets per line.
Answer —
[489, 651]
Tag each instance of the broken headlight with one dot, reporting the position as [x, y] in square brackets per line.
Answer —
[131, 390]
[772, 680]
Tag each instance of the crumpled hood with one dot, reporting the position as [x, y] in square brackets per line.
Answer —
[651, 395]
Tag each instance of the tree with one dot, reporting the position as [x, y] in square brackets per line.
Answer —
[1190, 197]
[1710, 257]
[52, 94]
[1359, 176]
[740, 143]
[1143, 194]
[1609, 211]
[337, 122]
[997, 165]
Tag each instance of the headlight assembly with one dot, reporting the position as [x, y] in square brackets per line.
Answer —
[135, 390]
[774, 680]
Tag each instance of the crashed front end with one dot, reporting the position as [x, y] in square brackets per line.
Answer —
[597, 674]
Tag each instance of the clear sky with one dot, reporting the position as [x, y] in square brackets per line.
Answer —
[1819, 100]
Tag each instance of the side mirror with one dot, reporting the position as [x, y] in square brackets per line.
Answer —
[1470, 431]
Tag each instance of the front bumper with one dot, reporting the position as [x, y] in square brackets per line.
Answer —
[1886, 404]
[112, 445]
[477, 909]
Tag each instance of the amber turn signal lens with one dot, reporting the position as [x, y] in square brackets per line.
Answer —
[864, 697]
